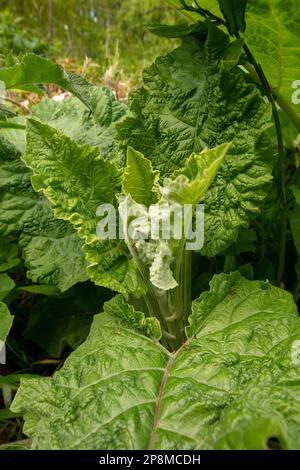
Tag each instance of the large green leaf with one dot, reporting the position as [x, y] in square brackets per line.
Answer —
[232, 385]
[34, 69]
[77, 180]
[189, 102]
[273, 36]
[76, 121]
[6, 320]
[210, 5]
[51, 248]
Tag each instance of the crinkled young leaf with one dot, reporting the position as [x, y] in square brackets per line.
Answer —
[51, 256]
[296, 192]
[77, 180]
[51, 248]
[6, 321]
[139, 179]
[188, 103]
[274, 39]
[190, 184]
[233, 385]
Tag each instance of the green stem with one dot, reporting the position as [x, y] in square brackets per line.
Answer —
[282, 250]
[186, 281]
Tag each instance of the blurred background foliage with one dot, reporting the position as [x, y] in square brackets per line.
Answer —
[99, 36]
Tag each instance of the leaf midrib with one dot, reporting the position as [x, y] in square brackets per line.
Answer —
[159, 399]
